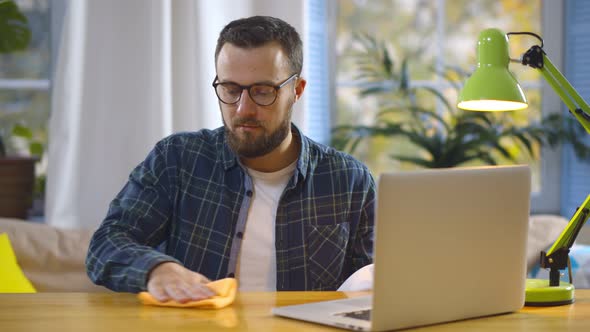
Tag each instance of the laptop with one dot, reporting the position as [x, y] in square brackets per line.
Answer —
[450, 244]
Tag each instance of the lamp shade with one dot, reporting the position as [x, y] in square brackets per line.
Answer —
[492, 87]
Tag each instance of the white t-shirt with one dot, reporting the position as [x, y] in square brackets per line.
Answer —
[256, 267]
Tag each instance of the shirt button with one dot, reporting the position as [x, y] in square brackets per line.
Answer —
[240, 235]
[249, 193]
[231, 275]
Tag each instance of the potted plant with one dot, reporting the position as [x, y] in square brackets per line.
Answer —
[453, 137]
[17, 173]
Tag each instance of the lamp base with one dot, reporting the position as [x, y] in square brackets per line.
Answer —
[540, 294]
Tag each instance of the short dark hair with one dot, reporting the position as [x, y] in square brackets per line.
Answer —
[256, 31]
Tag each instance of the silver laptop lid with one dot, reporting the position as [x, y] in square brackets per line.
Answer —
[450, 244]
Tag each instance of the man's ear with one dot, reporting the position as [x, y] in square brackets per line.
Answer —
[299, 87]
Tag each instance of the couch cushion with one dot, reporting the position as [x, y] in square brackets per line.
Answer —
[51, 258]
[12, 279]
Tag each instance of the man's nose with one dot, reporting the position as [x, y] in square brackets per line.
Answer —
[246, 104]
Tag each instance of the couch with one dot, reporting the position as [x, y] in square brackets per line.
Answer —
[53, 259]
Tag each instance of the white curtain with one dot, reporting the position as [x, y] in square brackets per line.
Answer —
[128, 74]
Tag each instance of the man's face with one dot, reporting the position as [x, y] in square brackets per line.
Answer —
[253, 130]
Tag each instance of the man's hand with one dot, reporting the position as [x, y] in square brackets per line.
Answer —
[172, 281]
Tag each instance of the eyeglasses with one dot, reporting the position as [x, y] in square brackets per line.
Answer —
[261, 94]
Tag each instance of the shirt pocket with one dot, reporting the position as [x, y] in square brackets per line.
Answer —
[326, 210]
[326, 247]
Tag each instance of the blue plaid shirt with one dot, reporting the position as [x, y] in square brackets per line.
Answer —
[190, 198]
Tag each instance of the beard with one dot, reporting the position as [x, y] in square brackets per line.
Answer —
[253, 146]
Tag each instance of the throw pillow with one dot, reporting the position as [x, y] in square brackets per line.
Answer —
[12, 278]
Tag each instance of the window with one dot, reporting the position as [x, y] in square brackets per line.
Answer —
[438, 38]
[25, 84]
[24, 77]
[575, 180]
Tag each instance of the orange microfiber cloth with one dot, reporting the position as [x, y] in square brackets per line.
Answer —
[224, 288]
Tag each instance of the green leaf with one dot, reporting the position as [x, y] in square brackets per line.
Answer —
[525, 141]
[440, 97]
[387, 61]
[36, 149]
[372, 91]
[414, 160]
[487, 158]
[22, 131]
[405, 76]
[15, 34]
[498, 147]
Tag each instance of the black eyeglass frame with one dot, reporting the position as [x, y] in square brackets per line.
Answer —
[249, 87]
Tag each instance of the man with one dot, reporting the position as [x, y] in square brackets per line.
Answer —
[255, 199]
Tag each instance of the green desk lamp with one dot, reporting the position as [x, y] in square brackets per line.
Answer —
[492, 87]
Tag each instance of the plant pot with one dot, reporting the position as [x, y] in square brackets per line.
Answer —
[17, 179]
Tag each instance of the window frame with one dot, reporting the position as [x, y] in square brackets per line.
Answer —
[553, 28]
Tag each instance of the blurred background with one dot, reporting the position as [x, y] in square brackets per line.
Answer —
[102, 81]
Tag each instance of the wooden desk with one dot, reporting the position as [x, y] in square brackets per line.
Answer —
[110, 312]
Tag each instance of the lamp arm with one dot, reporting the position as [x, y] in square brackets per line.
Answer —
[566, 92]
[570, 232]
[556, 257]
[581, 111]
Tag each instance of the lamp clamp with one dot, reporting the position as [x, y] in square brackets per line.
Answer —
[533, 57]
[558, 260]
